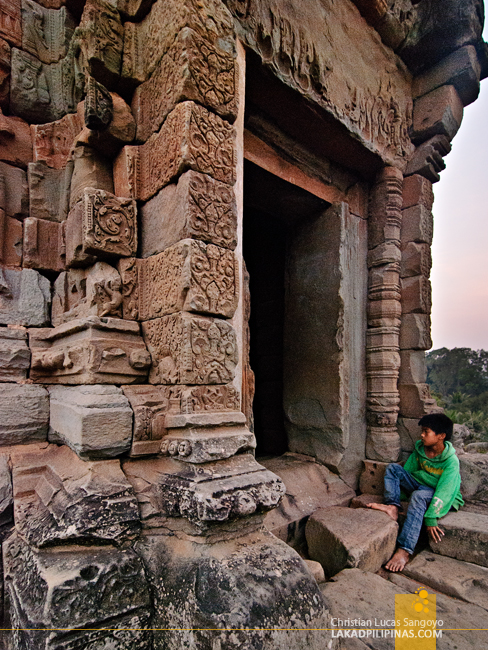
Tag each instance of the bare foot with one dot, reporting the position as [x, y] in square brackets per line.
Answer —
[398, 560]
[392, 511]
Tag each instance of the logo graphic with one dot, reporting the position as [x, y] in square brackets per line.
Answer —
[416, 625]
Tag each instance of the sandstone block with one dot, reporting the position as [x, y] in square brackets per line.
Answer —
[465, 537]
[4, 74]
[48, 192]
[25, 298]
[190, 138]
[6, 495]
[417, 190]
[416, 260]
[53, 142]
[427, 159]
[46, 33]
[145, 43]
[90, 170]
[416, 295]
[14, 354]
[409, 431]
[15, 199]
[386, 253]
[197, 206]
[192, 69]
[350, 537]
[309, 486]
[48, 95]
[10, 240]
[417, 225]
[89, 351]
[75, 257]
[187, 349]
[44, 246]
[415, 332]
[188, 276]
[460, 69]
[16, 141]
[413, 369]
[372, 477]
[440, 112]
[415, 400]
[95, 421]
[108, 227]
[474, 475]
[212, 492]
[24, 414]
[11, 22]
[102, 587]
[60, 498]
[79, 293]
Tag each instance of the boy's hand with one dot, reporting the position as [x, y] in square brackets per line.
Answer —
[435, 533]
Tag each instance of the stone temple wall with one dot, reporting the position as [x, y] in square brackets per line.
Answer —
[131, 503]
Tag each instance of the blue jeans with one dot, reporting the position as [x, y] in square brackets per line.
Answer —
[421, 495]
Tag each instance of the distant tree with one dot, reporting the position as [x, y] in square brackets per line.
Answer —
[458, 373]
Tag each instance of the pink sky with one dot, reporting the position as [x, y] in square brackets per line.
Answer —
[460, 248]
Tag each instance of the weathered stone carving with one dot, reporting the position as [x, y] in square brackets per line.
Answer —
[99, 108]
[363, 91]
[383, 358]
[109, 224]
[97, 42]
[59, 498]
[4, 74]
[10, 237]
[189, 276]
[44, 246]
[187, 349]
[47, 192]
[190, 138]
[14, 354]
[74, 598]
[192, 69]
[91, 169]
[197, 206]
[15, 141]
[24, 413]
[13, 192]
[53, 141]
[25, 298]
[41, 92]
[79, 293]
[89, 351]
[127, 267]
[46, 33]
[10, 22]
[95, 421]
[211, 492]
[201, 399]
[145, 43]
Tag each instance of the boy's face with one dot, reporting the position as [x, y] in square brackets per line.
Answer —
[431, 438]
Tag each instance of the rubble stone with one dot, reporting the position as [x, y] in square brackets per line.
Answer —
[440, 112]
[14, 355]
[44, 246]
[465, 537]
[16, 199]
[53, 141]
[25, 298]
[95, 421]
[89, 351]
[59, 498]
[190, 138]
[197, 206]
[24, 414]
[360, 538]
[47, 191]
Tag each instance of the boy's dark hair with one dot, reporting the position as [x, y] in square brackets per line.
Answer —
[439, 423]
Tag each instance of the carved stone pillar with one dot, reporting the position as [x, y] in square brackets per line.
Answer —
[384, 313]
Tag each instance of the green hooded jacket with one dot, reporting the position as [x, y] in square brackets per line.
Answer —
[440, 473]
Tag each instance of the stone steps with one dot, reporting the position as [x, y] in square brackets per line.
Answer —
[465, 537]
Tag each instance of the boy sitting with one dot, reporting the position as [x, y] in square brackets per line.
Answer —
[431, 475]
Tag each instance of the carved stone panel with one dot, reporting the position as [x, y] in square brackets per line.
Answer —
[109, 224]
[47, 192]
[79, 293]
[14, 354]
[197, 206]
[41, 92]
[15, 141]
[188, 349]
[44, 246]
[46, 33]
[192, 69]
[189, 276]
[127, 267]
[13, 192]
[190, 138]
[145, 43]
[25, 298]
[53, 141]
[89, 351]
[77, 597]
[213, 399]
[10, 22]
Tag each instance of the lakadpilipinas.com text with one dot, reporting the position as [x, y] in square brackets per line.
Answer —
[379, 628]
